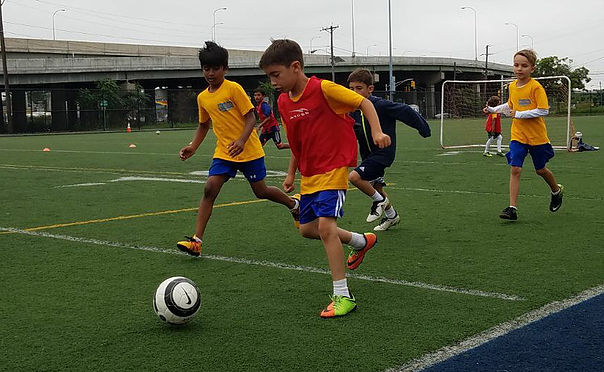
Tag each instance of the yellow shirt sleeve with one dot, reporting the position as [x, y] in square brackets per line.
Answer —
[541, 97]
[341, 100]
[241, 100]
[203, 114]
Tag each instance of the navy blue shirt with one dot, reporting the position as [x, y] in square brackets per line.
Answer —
[388, 113]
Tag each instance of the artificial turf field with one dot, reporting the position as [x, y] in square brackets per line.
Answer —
[89, 232]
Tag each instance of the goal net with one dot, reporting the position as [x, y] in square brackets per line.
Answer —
[462, 122]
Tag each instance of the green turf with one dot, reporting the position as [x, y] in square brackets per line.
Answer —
[83, 306]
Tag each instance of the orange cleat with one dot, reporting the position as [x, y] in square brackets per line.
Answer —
[355, 258]
[191, 246]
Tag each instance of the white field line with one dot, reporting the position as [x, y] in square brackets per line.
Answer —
[277, 265]
[447, 352]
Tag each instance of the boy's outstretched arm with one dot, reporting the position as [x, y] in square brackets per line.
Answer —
[236, 147]
[188, 151]
[409, 116]
[379, 138]
[288, 183]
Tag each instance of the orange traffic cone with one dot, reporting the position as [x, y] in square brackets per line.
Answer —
[132, 146]
[128, 130]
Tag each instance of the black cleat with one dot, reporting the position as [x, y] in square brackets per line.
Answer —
[510, 213]
[556, 201]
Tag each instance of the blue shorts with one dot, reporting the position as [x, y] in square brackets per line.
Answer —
[253, 170]
[540, 154]
[326, 203]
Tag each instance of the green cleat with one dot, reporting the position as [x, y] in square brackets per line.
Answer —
[339, 306]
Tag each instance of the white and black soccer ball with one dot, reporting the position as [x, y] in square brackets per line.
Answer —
[177, 300]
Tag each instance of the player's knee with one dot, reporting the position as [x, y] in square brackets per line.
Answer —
[354, 177]
[210, 191]
[515, 171]
[542, 172]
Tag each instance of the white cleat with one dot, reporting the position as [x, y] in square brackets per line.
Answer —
[386, 223]
[377, 209]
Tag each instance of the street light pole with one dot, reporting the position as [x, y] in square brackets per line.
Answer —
[475, 32]
[517, 35]
[53, 22]
[390, 72]
[214, 24]
[532, 41]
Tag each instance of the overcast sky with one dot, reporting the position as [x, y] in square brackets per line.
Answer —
[563, 28]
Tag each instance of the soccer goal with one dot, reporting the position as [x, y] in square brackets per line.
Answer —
[462, 122]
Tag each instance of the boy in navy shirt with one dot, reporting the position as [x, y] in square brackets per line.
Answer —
[369, 175]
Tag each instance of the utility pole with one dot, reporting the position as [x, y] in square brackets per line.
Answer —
[5, 73]
[486, 69]
[331, 29]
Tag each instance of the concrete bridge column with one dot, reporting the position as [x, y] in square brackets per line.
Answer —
[19, 111]
[73, 122]
[58, 106]
[432, 88]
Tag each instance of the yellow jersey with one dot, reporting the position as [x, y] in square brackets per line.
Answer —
[226, 107]
[530, 96]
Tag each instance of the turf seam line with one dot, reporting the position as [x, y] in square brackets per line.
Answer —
[278, 265]
[499, 330]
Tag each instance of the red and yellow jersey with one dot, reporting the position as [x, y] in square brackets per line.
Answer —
[321, 134]
[264, 111]
[528, 97]
[226, 107]
[493, 123]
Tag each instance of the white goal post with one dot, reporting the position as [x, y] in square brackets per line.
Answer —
[462, 121]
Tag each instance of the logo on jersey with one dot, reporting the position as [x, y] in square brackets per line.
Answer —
[524, 102]
[294, 114]
[225, 106]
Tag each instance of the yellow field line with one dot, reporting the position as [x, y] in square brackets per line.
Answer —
[118, 218]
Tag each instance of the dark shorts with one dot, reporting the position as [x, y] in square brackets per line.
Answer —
[273, 133]
[493, 134]
[371, 170]
[253, 170]
[540, 154]
[326, 203]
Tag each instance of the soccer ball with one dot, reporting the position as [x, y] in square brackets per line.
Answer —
[157, 132]
[177, 300]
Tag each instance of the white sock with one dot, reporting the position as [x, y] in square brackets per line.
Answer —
[499, 139]
[357, 241]
[390, 212]
[196, 238]
[511, 206]
[340, 288]
[557, 192]
[488, 145]
[377, 197]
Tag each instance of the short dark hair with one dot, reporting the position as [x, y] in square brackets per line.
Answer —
[282, 52]
[213, 55]
[493, 101]
[361, 75]
[259, 90]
